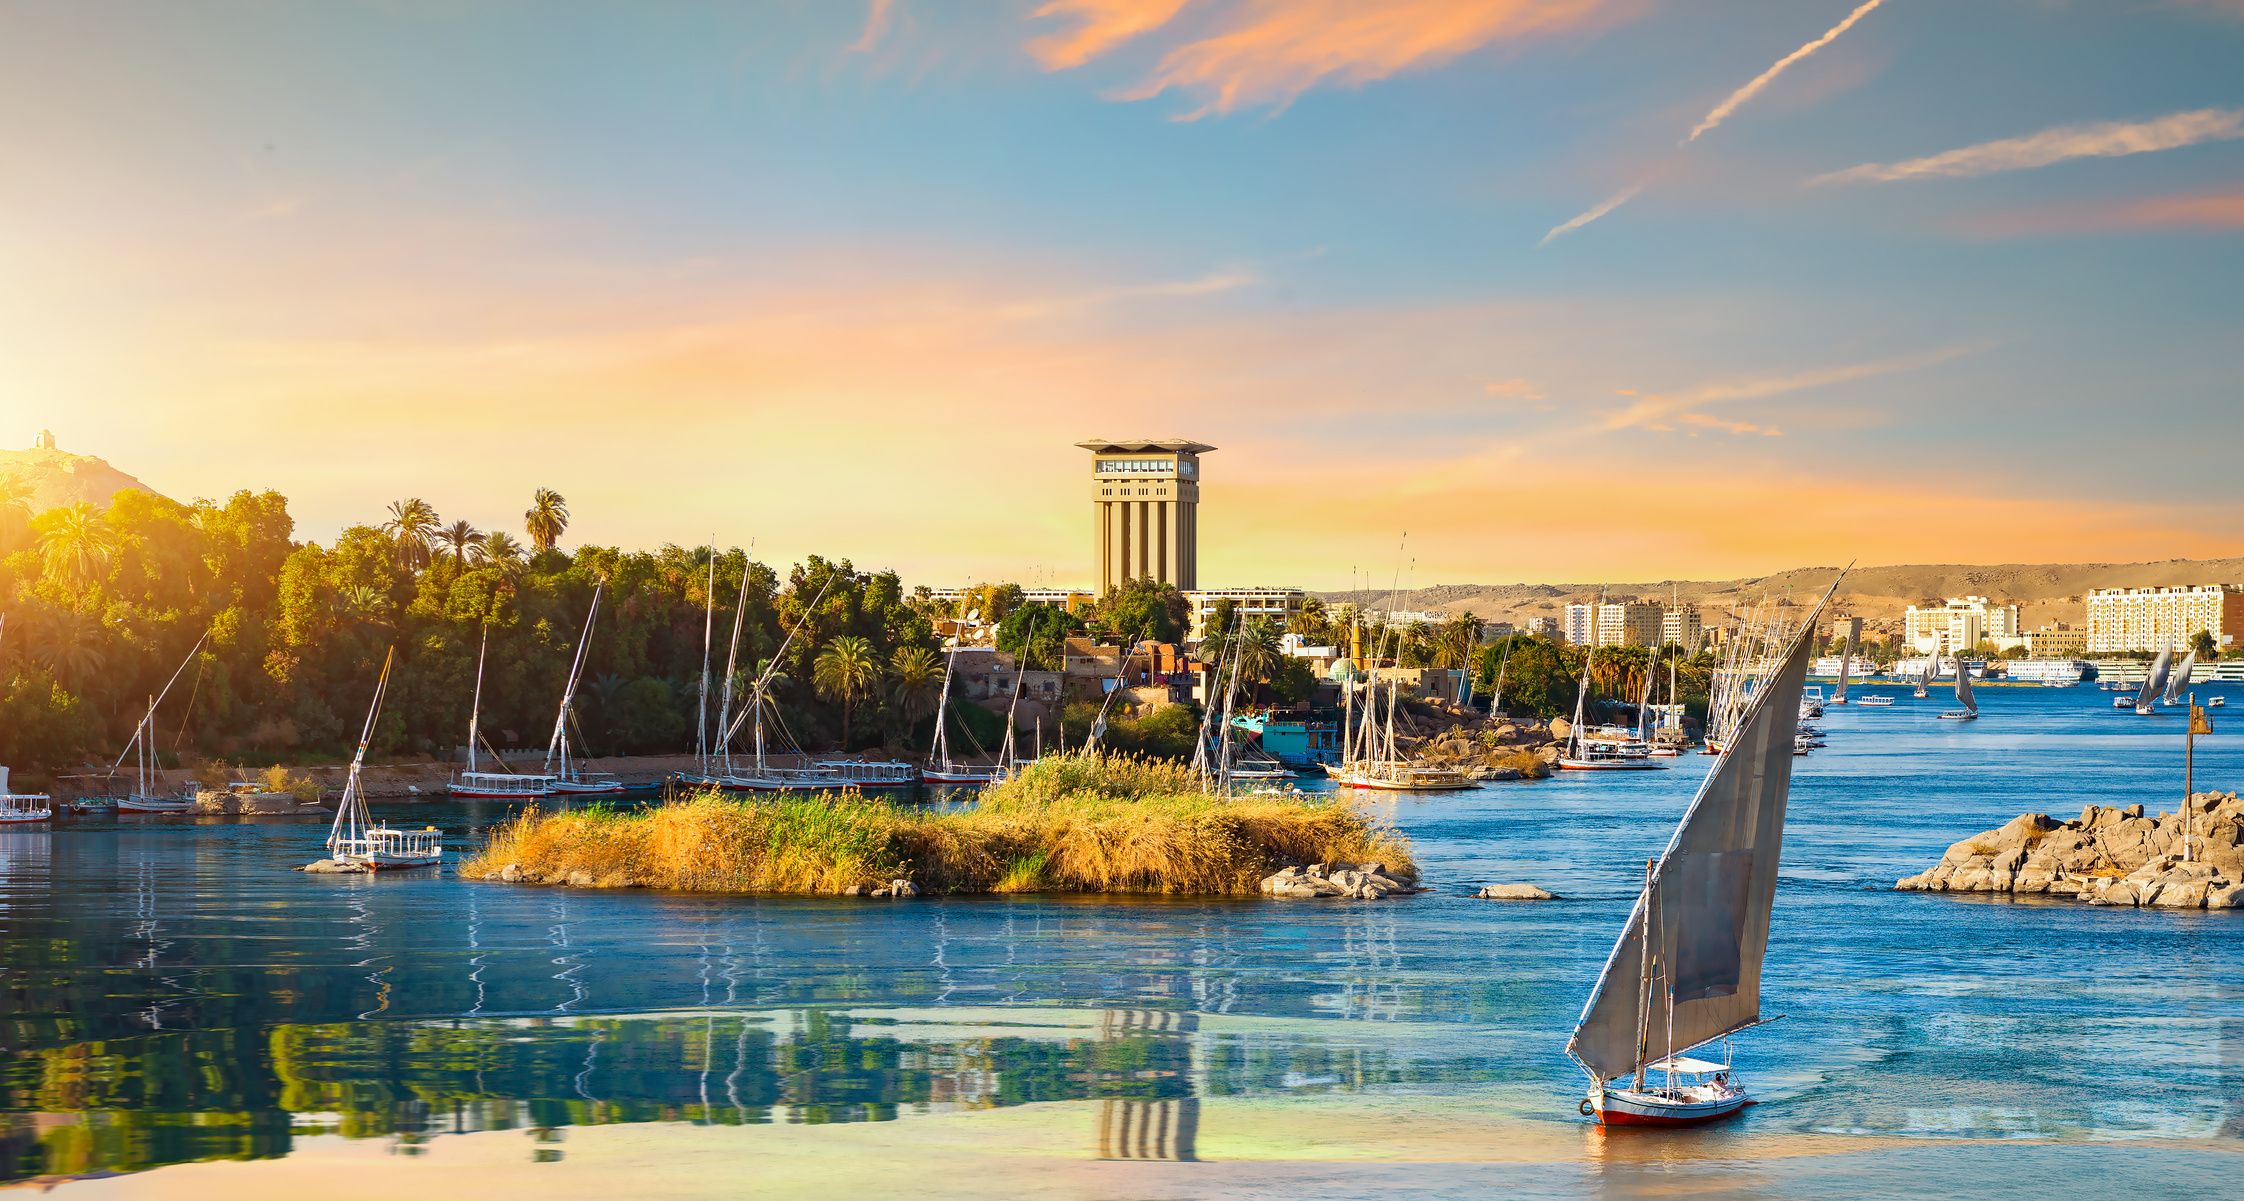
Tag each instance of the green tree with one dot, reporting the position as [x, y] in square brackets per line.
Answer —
[77, 545]
[546, 520]
[845, 672]
[917, 673]
[1143, 610]
[465, 541]
[412, 525]
[1038, 634]
[500, 550]
[16, 501]
[2202, 642]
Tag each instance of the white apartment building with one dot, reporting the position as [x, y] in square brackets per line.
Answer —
[1545, 627]
[1960, 624]
[1616, 623]
[2151, 619]
[1682, 627]
[1580, 628]
[1278, 604]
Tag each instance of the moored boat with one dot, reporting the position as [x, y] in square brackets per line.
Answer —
[23, 806]
[356, 838]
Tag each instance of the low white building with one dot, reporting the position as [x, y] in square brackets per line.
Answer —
[1960, 625]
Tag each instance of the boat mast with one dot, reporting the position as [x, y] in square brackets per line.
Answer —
[732, 664]
[708, 633]
[1582, 689]
[569, 691]
[942, 747]
[350, 814]
[475, 707]
[1644, 980]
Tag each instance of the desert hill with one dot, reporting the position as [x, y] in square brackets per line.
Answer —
[59, 478]
[2044, 592]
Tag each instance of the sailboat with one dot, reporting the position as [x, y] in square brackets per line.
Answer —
[1368, 758]
[143, 798]
[579, 782]
[1686, 970]
[1964, 698]
[1585, 753]
[354, 838]
[702, 776]
[1924, 679]
[476, 784]
[1846, 664]
[941, 767]
[2179, 681]
[2153, 684]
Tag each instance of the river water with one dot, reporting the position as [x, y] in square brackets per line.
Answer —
[181, 1016]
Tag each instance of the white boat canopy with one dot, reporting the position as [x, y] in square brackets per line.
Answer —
[1686, 1065]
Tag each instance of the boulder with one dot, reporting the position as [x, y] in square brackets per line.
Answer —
[580, 879]
[2189, 894]
[511, 873]
[2222, 894]
[1561, 728]
[1516, 892]
[902, 888]
[327, 867]
[854, 890]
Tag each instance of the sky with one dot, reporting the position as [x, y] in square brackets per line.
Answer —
[1465, 291]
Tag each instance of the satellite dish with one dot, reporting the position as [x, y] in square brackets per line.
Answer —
[973, 614]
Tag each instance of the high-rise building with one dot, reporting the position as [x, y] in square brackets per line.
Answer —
[1682, 627]
[2151, 619]
[1960, 625]
[1581, 625]
[1145, 506]
[1628, 623]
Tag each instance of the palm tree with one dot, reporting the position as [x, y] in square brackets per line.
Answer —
[16, 502]
[919, 682]
[78, 545]
[547, 518]
[501, 550]
[845, 671]
[361, 602]
[1257, 648]
[464, 539]
[68, 646]
[414, 524]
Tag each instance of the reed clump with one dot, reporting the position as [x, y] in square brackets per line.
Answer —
[1094, 824]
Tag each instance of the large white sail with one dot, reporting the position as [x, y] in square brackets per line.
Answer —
[1846, 660]
[2155, 682]
[2179, 681]
[1707, 903]
[1963, 687]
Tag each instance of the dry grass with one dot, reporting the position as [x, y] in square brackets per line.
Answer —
[1110, 824]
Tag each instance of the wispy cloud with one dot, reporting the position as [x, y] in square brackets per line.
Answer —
[2217, 208]
[1269, 52]
[1213, 283]
[1610, 203]
[1665, 411]
[1101, 25]
[1723, 110]
[877, 21]
[2106, 139]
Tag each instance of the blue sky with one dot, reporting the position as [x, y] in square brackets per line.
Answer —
[851, 279]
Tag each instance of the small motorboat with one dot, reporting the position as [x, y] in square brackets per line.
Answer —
[1878, 701]
[2218, 702]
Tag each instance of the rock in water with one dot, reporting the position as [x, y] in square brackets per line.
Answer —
[1516, 892]
[902, 888]
[330, 867]
[2108, 856]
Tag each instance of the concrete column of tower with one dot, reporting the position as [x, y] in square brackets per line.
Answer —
[1145, 500]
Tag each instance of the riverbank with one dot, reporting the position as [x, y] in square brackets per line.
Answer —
[1104, 824]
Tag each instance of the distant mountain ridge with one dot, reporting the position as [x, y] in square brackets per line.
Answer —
[59, 478]
[2044, 591]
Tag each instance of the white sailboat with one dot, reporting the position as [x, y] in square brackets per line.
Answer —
[823, 776]
[2153, 684]
[1924, 679]
[578, 783]
[702, 776]
[354, 838]
[1846, 664]
[942, 766]
[142, 798]
[2179, 681]
[1969, 705]
[477, 784]
[1368, 756]
[1602, 751]
[1686, 970]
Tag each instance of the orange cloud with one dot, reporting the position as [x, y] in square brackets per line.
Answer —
[1260, 52]
[877, 20]
[2218, 208]
[1101, 25]
[1654, 411]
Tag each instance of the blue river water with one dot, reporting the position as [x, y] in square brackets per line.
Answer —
[180, 1013]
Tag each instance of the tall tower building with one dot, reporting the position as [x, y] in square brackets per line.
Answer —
[1145, 506]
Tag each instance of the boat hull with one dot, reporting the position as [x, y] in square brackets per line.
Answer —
[959, 777]
[22, 815]
[147, 805]
[1611, 765]
[1619, 1107]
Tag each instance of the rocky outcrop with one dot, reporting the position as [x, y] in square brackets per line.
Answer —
[332, 867]
[237, 802]
[2106, 857]
[894, 888]
[1516, 892]
[1363, 881]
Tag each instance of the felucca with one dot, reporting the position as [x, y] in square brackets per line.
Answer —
[143, 798]
[578, 782]
[478, 785]
[1585, 753]
[1846, 663]
[942, 766]
[1686, 971]
[2153, 684]
[354, 838]
[1970, 705]
[1368, 758]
